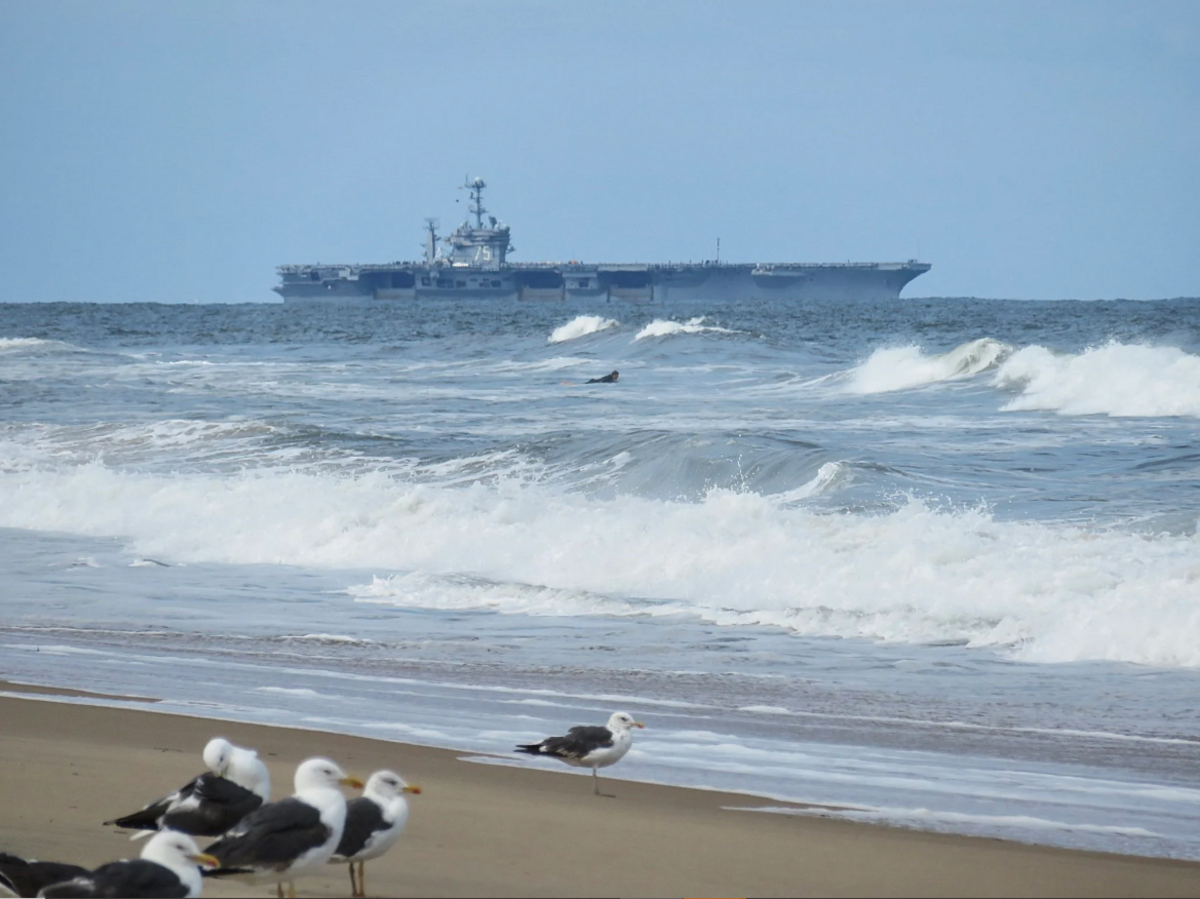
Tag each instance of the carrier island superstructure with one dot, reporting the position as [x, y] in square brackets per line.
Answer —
[473, 263]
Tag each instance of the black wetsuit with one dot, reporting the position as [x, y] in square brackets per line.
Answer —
[607, 379]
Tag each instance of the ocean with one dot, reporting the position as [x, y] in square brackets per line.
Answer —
[931, 563]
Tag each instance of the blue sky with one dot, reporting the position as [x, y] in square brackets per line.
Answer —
[178, 151]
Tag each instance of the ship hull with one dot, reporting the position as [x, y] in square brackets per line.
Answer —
[638, 283]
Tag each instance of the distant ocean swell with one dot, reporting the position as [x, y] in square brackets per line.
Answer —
[1115, 379]
[1039, 592]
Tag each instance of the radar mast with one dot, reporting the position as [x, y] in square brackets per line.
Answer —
[431, 241]
[476, 188]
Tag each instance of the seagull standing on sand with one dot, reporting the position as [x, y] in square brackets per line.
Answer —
[590, 747]
[236, 783]
[167, 868]
[374, 821]
[283, 840]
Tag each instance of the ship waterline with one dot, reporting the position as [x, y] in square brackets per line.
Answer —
[828, 281]
[472, 263]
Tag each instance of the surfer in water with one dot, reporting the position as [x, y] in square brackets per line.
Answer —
[607, 379]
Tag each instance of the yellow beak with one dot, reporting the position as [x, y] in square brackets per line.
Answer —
[412, 788]
[206, 860]
[351, 782]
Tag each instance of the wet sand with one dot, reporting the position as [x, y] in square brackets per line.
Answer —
[486, 830]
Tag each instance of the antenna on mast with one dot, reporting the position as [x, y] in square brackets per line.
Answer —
[431, 240]
[476, 188]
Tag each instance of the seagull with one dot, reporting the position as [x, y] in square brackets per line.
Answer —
[590, 747]
[283, 840]
[167, 868]
[374, 821]
[24, 877]
[236, 783]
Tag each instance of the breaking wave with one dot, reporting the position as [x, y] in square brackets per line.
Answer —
[1116, 379]
[1037, 592]
[665, 328]
[581, 326]
[905, 368]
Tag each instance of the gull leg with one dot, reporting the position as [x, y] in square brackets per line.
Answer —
[353, 882]
[362, 879]
[596, 785]
[279, 890]
[291, 889]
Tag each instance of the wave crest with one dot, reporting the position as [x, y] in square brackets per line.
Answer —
[827, 479]
[905, 368]
[581, 326]
[665, 328]
[1116, 379]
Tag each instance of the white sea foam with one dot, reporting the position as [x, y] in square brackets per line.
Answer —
[538, 702]
[16, 343]
[581, 326]
[665, 328]
[1116, 379]
[330, 638]
[1040, 592]
[906, 368]
[929, 818]
[423, 591]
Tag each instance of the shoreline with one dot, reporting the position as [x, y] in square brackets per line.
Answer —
[500, 830]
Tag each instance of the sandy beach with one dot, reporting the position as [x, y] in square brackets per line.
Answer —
[485, 830]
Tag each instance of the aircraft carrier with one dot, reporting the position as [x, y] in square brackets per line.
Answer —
[473, 263]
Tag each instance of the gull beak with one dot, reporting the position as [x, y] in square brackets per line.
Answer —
[351, 782]
[638, 724]
[205, 860]
[412, 788]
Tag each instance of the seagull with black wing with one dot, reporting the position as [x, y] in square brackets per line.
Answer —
[236, 783]
[590, 747]
[24, 877]
[374, 822]
[283, 840]
[168, 867]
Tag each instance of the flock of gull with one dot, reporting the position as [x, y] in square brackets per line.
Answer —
[262, 842]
